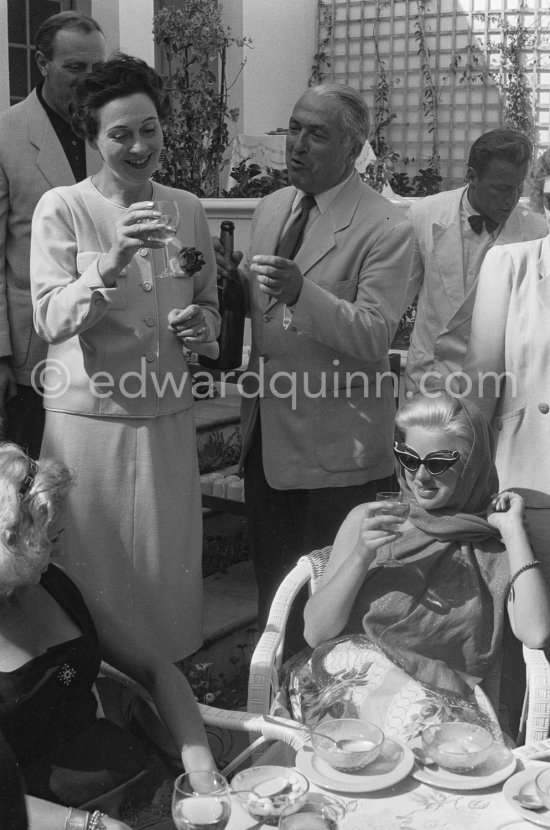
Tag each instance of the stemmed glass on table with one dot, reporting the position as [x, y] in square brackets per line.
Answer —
[165, 231]
[201, 801]
[392, 504]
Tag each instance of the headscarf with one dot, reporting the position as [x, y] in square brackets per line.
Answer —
[439, 615]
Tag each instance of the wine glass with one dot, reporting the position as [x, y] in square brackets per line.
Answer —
[392, 504]
[165, 231]
[201, 801]
[321, 812]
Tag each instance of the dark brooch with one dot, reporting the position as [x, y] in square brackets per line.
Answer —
[190, 261]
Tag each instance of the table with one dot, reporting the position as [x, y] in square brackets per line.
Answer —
[411, 805]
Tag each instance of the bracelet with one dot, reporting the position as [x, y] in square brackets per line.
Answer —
[96, 822]
[534, 564]
[77, 819]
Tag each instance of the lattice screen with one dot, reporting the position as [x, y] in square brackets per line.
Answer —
[452, 27]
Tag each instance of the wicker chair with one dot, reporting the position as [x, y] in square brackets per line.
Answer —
[266, 662]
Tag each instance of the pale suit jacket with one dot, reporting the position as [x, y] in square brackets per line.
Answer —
[442, 328]
[32, 161]
[510, 334]
[325, 402]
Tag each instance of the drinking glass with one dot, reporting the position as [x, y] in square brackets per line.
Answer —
[392, 504]
[201, 801]
[165, 231]
[318, 812]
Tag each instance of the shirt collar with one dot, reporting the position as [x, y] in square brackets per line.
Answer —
[324, 200]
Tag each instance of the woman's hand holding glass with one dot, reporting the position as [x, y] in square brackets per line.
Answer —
[132, 232]
[377, 529]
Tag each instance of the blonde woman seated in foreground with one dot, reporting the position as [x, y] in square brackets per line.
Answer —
[50, 653]
[405, 646]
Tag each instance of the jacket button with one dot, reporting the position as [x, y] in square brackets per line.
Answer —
[147, 286]
[150, 358]
[544, 408]
[266, 318]
[143, 251]
[150, 321]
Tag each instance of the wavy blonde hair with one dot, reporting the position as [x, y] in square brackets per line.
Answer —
[27, 512]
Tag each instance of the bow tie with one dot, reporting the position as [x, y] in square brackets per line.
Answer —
[478, 220]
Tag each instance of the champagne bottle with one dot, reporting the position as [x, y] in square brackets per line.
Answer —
[232, 307]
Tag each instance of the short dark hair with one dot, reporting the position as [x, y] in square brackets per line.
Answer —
[539, 174]
[118, 77]
[502, 144]
[45, 35]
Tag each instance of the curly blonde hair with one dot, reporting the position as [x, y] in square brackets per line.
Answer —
[31, 494]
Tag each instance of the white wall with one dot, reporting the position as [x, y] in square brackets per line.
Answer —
[128, 26]
[279, 64]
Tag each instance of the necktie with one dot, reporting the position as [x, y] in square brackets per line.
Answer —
[478, 220]
[291, 240]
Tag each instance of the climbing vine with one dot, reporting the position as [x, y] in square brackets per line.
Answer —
[321, 58]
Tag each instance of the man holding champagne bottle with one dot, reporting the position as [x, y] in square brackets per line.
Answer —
[326, 275]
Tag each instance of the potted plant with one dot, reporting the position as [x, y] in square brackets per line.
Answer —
[194, 43]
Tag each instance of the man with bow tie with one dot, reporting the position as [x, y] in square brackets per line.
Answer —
[326, 272]
[454, 230]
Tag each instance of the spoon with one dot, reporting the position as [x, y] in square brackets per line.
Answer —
[528, 798]
[421, 756]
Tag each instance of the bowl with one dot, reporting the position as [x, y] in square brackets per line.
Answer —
[347, 744]
[542, 787]
[266, 791]
[457, 745]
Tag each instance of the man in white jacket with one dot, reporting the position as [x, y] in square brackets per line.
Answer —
[454, 230]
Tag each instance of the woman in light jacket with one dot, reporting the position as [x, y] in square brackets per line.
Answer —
[507, 365]
[117, 389]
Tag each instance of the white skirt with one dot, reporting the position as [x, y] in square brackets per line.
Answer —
[134, 521]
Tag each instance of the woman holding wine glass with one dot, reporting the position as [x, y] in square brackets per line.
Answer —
[407, 646]
[117, 302]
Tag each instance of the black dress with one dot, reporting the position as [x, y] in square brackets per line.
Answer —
[48, 714]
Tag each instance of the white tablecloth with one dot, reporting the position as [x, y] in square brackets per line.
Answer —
[269, 151]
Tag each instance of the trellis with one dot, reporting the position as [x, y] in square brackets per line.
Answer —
[455, 30]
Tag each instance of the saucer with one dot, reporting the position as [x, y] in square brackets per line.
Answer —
[499, 766]
[511, 790]
[392, 765]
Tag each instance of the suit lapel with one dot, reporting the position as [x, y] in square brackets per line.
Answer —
[51, 159]
[321, 238]
[447, 249]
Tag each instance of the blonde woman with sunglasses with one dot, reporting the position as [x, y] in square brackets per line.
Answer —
[408, 645]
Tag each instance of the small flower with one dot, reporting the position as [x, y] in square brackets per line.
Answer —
[209, 697]
[190, 261]
[66, 674]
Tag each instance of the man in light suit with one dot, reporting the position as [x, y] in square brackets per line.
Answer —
[318, 403]
[454, 230]
[38, 151]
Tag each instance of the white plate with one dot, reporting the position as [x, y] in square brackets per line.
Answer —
[392, 765]
[498, 767]
[512, 788]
